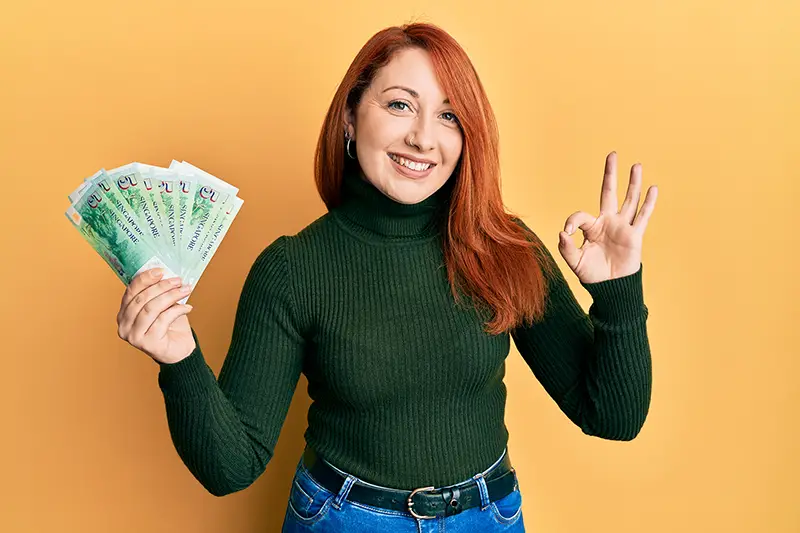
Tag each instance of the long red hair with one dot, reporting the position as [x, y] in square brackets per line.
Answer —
[490, 255]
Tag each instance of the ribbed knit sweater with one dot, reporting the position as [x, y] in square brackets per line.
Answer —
[406, 387]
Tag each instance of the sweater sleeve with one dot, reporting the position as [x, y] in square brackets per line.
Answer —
[225, 430]
[596, 367]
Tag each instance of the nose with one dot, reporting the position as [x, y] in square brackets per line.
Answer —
[421, 134]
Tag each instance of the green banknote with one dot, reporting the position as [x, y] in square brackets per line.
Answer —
[102, 183]
[187, 186]
[151, 187]
[131, 185]
[220, 228]
[168, 187]
[108, 230]
[90, 235]
[164, 183]
[140, 216]
[212, 197]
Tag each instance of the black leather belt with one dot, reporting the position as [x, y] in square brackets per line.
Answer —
[426, 502]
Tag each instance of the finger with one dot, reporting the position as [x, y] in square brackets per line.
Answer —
[579, 219]
[647, 209]
[569, 251]
[161, 325]
[147, 302]
[608, 192]
[127, 314]
[139, 283]
[633, 195]
[152, 309]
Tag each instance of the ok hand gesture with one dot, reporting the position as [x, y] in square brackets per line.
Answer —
[612, 246]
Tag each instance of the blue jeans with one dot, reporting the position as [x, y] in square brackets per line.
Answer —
[312, 508]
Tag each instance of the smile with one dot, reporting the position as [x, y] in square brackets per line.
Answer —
[418, 167]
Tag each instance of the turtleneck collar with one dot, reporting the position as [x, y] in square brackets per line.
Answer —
[376, 217]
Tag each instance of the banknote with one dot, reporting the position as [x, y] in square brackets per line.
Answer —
[140, 216]
[107, 229]
[131, 185]
[101, 183]
[226, 211]
[187, 186]
[220, 228]
[164, 182]
[212, 197]
[203, 204]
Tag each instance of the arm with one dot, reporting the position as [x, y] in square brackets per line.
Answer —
[225, 431]
[596, 367]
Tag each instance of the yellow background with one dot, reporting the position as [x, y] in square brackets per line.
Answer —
[704, 94]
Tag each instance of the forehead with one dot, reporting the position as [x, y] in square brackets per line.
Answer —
[412, 68]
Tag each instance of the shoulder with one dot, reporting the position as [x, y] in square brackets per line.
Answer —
[287, 249]
[540, 250]
[318, 228]
[284, 271]
[529, 233]
[309, 240]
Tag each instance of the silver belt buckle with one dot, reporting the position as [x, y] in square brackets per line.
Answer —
[411, 502]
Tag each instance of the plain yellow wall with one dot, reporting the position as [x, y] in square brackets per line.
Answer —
[705, 94]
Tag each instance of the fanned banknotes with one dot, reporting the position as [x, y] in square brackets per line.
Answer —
[140, 216]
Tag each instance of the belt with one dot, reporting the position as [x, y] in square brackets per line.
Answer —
[425, 502]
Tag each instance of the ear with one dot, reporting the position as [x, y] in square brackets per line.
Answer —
[349, 124]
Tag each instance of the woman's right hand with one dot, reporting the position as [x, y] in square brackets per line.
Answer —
[151, 320]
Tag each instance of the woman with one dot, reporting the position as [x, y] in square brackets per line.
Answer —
[399, 305]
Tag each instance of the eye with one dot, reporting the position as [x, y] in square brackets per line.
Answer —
[398, 102]
[454, 119]
[394, 104]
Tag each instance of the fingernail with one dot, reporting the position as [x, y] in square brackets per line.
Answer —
[175, 281]
[157, 272]
[569, 229]
[189, 307]
[185, 288]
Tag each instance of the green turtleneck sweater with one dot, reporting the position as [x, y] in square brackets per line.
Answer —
[407, 389]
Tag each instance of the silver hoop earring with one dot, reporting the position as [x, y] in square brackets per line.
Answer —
[347, 149]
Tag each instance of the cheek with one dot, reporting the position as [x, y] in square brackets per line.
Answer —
[379, 131]
[453, 151]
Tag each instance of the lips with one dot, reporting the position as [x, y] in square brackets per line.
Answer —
[409, 173]
[411, 158]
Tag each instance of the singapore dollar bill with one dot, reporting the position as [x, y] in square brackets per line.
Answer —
[108, 230]
[140, 216]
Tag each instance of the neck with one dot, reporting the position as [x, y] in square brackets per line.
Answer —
[369, 212]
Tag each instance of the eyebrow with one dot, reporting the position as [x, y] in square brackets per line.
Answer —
[412, 92]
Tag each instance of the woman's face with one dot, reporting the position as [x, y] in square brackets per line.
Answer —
[404, 113]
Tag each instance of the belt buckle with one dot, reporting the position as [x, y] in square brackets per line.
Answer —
[411, 502]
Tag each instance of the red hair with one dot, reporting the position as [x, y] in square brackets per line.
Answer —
[490, 255]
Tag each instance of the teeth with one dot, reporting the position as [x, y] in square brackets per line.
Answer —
[410, 164]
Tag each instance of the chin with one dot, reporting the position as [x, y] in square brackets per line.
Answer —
[407, 191]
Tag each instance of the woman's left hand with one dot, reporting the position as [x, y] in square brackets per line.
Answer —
[612, 246]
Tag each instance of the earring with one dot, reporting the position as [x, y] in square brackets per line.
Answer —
[347, 148]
